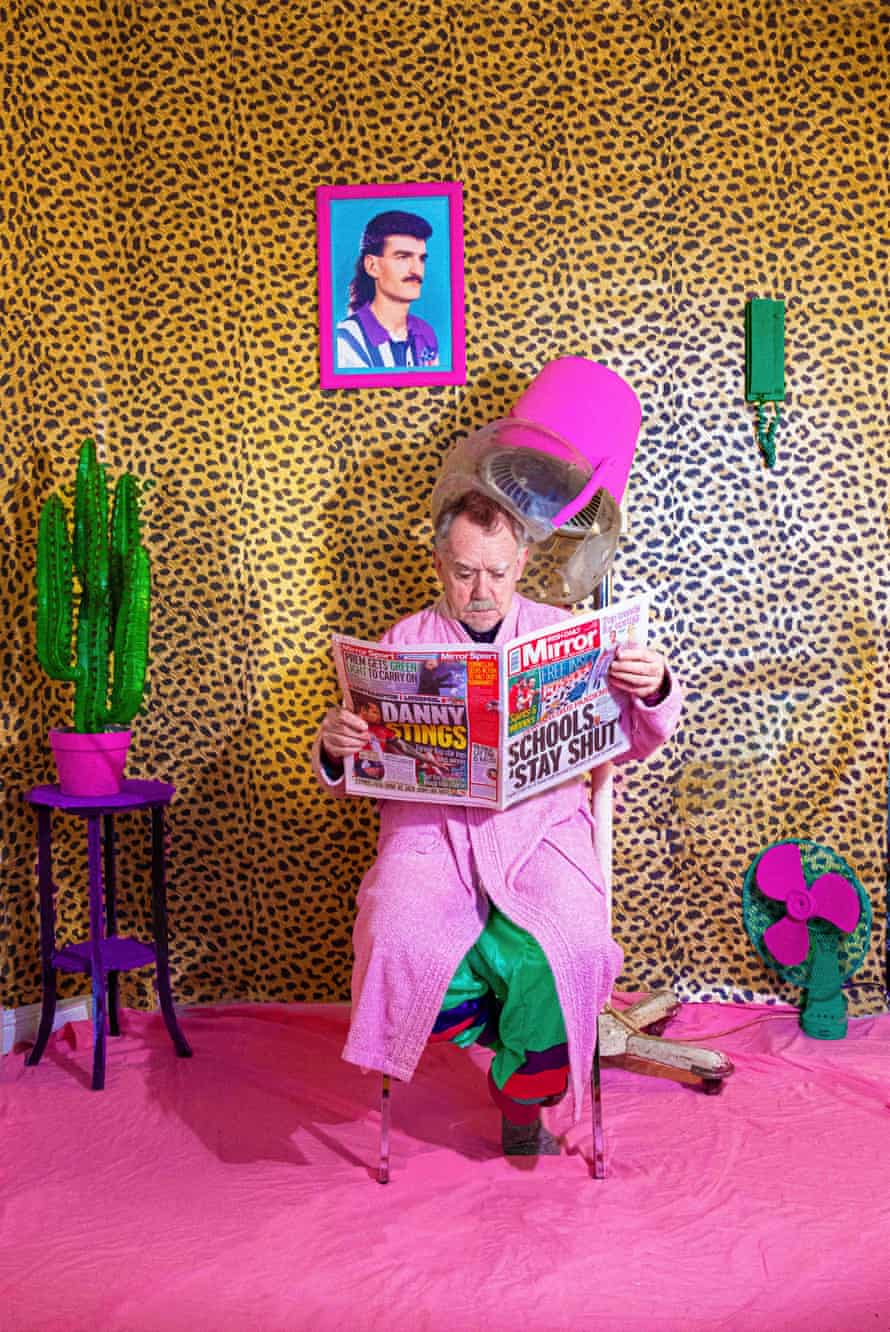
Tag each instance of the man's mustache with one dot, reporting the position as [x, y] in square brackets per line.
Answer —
[481, 605]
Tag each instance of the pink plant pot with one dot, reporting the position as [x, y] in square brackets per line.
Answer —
[90, 764]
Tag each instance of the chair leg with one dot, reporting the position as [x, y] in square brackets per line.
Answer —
[596, 1110]
[385, 1100]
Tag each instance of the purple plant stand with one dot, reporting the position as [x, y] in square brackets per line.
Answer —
[103, 955]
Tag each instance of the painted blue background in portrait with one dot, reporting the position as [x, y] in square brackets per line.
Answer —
[347, 222]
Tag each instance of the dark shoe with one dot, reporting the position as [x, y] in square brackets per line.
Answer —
[527, 1139]
[556, 1097]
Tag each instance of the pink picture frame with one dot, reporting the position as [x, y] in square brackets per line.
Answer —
[372, 331]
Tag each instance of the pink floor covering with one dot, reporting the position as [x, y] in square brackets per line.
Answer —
[236, 1190]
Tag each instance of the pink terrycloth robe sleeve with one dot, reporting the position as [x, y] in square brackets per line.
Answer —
[423, 903]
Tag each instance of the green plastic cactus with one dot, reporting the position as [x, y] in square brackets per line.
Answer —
[113, 573]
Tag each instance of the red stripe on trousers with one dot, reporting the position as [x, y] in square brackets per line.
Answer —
[546, 1083]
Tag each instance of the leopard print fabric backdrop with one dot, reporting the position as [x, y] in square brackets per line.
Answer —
[632, 174]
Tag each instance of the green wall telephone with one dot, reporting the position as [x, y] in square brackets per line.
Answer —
[765, 367]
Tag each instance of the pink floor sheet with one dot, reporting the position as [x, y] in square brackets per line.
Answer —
[236, 1190]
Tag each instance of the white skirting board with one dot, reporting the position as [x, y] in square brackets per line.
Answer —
[20, 1024]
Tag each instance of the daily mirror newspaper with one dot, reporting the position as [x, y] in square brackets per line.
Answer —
[475, 724]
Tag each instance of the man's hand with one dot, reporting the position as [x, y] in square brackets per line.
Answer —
[343, 733]
[639, 671]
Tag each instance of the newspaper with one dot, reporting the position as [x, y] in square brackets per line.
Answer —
[475, 724]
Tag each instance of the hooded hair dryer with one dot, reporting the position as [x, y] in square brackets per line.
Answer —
[559, 462]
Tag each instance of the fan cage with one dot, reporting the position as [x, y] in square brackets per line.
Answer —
[760, 912]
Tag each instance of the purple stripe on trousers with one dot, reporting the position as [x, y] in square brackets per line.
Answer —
[538, 1060]
[449, 1017]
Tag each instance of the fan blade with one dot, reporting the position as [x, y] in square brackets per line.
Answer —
[779, 871]
[788, 940]
[836, 900]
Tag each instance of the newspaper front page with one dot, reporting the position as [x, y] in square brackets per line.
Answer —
[475, 724]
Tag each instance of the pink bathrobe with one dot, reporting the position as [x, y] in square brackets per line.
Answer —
[424, 901]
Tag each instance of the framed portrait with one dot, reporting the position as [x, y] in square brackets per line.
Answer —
[391, 285]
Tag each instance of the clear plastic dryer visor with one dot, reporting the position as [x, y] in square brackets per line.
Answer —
[555, 493]
[536, 474]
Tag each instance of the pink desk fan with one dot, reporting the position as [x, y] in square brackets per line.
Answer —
[809, 918]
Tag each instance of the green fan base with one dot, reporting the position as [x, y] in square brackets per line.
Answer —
[826, 1019]
[824, 1013]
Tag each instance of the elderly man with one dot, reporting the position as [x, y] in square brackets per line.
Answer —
[481, 925]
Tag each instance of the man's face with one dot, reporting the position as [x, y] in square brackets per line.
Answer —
[399, 270]
[479, 571]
